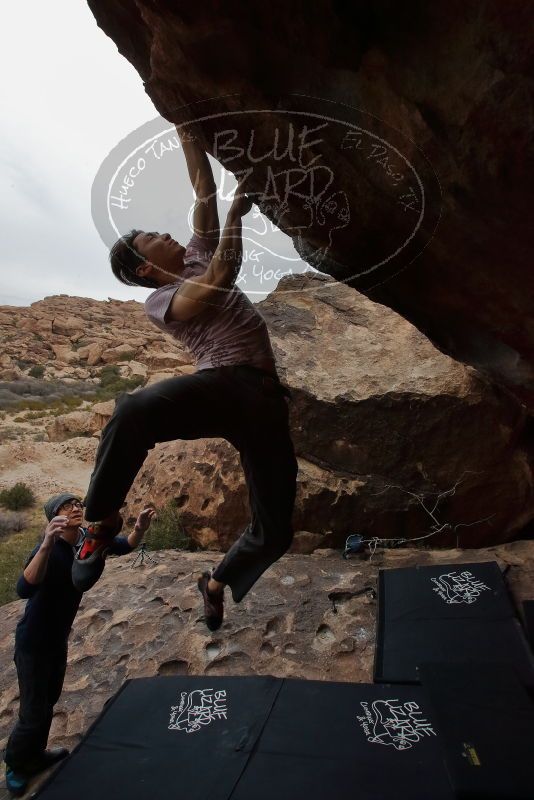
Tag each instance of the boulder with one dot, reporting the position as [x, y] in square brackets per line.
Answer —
[385, 427]
[92, 353]
[422, 142]
[70, 326]
[101, 414]
[64, 353]
[134, 369]
[40, 325]
[112, 355]
[65, 426]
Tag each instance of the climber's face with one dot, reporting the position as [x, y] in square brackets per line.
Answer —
[73, 510]
[164, 255]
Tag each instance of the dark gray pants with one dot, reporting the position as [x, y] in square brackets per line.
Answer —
[238, 403]
[40, 675]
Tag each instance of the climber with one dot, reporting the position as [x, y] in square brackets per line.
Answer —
[235, 392]
[41, 639]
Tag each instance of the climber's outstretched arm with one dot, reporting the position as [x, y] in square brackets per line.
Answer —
[205, 215]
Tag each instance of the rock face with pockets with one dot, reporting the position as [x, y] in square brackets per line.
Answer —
[393, 438]
[444, 85]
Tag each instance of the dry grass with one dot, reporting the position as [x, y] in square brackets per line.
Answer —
[12, 522]
[14, 550]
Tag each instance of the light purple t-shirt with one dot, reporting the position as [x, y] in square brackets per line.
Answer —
[228, 331]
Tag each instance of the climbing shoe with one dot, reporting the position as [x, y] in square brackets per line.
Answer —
[47, 760]
[89, 560]
[213, 603]
[16, 782]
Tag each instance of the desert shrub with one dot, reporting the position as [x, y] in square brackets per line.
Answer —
[69, 402]
[112, 384]
[32, 405]
[123, 385]
[40, 395]
[11, 522]
[109, 374]
[31, 416]
[18, 497]
[9, 434]
[60, 405]
[37, 371]
[37, 394]
[166, 531]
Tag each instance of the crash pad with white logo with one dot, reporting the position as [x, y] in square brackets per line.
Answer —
[446, 613]
[255, 738]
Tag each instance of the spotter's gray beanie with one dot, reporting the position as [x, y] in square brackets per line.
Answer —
[51, 506]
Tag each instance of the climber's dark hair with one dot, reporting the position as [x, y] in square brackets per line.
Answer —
[125, 259]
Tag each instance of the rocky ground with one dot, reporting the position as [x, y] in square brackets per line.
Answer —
[147, 621]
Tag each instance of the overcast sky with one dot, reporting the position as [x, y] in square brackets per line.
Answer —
[68, 98]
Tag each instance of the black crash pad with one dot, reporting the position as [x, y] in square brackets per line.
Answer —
[253, 738]
[485, 719]
[446, 613]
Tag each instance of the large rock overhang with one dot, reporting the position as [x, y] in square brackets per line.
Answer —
[447, 85]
